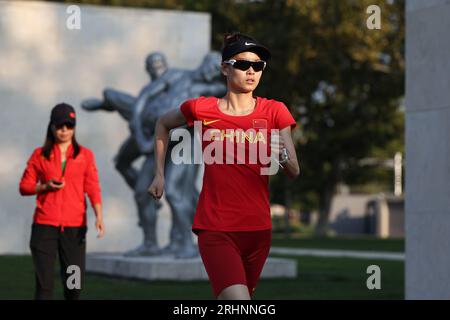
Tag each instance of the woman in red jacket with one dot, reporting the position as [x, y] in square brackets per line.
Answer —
[60, 173]
[232, 219]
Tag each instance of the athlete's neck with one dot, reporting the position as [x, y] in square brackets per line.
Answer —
[237, 103]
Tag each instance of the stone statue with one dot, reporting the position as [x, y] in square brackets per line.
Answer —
[123, 103]
[114, 100]
[167, 90]
[180, 193]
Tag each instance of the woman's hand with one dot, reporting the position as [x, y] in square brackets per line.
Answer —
[50, 185]
[100, 227]
[156, 189]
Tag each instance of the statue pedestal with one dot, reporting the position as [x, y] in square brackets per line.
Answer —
[169, 268]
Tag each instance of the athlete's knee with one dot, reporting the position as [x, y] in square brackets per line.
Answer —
[234, 292]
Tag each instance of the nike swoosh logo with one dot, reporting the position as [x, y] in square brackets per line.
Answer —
[249, 43]
[205, 123]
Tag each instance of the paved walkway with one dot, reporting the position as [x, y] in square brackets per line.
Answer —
[396, 256]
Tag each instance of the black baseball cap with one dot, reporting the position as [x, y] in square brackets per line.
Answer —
[238, 42]
[63, 113]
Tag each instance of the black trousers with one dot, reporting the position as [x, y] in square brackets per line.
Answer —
[70, 244]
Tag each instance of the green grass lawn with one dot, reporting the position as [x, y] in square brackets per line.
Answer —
[345, 243]
[318, 278]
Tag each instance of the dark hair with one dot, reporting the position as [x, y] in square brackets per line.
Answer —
[50, 141]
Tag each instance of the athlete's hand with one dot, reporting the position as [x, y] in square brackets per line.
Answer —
[156, 189]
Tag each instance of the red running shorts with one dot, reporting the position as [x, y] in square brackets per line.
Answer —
[234, 257]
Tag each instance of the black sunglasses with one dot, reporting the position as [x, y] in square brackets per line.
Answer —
[67, 124]
[244, 65]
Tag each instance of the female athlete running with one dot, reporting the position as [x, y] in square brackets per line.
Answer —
[232, 219]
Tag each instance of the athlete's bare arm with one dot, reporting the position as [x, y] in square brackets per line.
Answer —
[291, 168]
[170, 120]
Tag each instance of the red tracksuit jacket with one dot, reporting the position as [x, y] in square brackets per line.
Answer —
[67, 206]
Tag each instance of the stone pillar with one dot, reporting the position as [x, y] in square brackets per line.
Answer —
[427, 149]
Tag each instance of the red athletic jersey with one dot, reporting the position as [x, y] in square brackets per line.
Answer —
[235, 196]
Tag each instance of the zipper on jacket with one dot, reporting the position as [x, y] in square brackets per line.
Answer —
[63, 179]
[59, 164]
